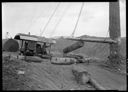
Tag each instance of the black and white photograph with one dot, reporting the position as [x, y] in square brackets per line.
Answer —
[64, 46]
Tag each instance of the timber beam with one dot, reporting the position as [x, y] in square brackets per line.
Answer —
[98, 40]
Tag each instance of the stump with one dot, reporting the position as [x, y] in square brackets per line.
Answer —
[83, 77]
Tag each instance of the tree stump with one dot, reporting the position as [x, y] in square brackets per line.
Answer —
[83, 77]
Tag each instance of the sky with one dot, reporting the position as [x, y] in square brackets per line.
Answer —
[32, 17]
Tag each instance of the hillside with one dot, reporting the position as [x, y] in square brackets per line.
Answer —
[3, 41]
[39, 74]
[20, 74]
[99, 50]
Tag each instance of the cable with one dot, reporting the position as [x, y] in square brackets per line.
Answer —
[33, 17]
[106, 35]
[50, 19]
[64, 12]
[77, 19]
[39, 17]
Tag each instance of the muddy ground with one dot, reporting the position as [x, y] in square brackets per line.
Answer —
[40, 74]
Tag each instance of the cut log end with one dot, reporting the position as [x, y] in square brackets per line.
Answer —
[83, 78]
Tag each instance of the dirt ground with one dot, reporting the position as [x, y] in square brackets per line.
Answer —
[42, 75]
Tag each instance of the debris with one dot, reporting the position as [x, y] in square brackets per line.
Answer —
[72, 89]
[21, 72]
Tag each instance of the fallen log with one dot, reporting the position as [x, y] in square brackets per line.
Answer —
[63, 61]
[96, 84]
[79, 58]
[83, 77]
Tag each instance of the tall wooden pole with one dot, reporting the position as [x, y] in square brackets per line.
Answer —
[114, 28]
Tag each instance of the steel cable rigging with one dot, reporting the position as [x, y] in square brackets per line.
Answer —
[103, 46]
[61, 17]
[33, 19]
[39, 17]
[30, 25]
[72, 35]
[49, 19]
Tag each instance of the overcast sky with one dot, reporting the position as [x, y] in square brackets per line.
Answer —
[32, 17]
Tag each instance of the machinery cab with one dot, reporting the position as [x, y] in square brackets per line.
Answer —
[31, 45]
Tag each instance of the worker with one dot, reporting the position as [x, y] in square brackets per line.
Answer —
[26, 47]
[38, 47]
[44, 49]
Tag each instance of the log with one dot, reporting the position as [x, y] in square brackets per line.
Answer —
[11, 45]
[73, 47]
[83, 77]
[98, 40]
[62, 61]
[96, 84]
[79, 58]
[73, 56]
